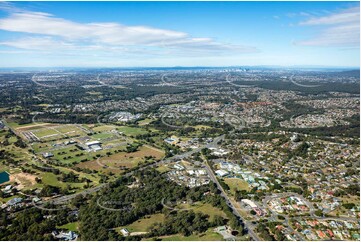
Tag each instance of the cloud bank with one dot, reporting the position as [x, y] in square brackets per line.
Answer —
[46, 32]
[340, 29]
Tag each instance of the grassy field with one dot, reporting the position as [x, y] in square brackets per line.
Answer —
[58, 130]
[163, 168]
[51, 179]
[204, 208]
[236, 184]
[70, 226]
[16, 125]
[131, 131]
[68, 155]
[122, 159]
[70, 130]
[102, 128]
[143, 224]
[145, 121]
[102, 136]
[40, 133]
[202, 127]
[41, 147]
[209, 235]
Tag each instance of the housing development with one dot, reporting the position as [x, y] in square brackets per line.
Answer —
[228, 153]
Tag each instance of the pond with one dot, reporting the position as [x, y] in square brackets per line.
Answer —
[4, 177]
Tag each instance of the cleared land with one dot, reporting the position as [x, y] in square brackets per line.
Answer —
[143, 224]
[209, 235]
[205, 208]
[236, 184]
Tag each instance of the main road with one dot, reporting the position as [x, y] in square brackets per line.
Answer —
[247, 225]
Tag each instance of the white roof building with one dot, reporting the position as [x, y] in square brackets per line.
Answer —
[93, 143]
[249, 203]
[221, 173]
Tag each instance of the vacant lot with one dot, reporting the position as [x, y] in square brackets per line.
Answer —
[24, 180]
[205, 208]
[236, 184]
[143, 224]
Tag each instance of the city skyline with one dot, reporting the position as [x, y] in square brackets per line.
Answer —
[153, 34]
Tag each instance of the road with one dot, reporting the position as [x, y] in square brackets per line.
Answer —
[65, 199]
[247, 225]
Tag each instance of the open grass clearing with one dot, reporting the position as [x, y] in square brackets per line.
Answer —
[209, 235]
[45, 132]
[236, 184]
[102, 128]
[116, 162]
[163, 168]
[142, 225]
[34, 126]
[145, 121]
[204, 208]
[102, 135]
[131, 131]
[69, 226]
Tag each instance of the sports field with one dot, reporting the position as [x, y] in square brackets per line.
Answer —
[49, 132]
[131, 131]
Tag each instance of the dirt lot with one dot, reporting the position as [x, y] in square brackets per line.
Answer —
[23, 179]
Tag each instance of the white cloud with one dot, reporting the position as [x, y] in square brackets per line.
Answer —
[52, 32]
[341, 29]
[347, 16]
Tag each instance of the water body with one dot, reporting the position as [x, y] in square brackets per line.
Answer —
[4, 177]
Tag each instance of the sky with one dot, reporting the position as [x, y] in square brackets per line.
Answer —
[165, 34]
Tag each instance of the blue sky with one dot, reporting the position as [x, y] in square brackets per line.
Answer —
[123, 34]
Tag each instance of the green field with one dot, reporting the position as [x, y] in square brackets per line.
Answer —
[102, 136]
[143, 224]
[131, 131]
[70, 226]
[102, 128]
[163, 168]
[145, 121]
[45, 132]
[209, 235]
[236, 184]
[51, 179]
[204, 208]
